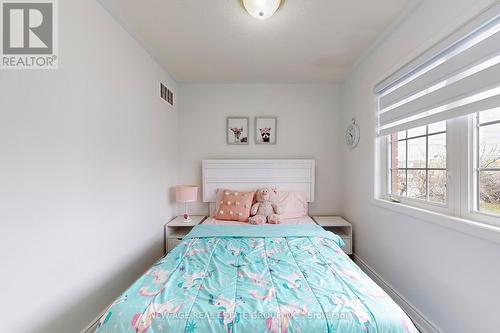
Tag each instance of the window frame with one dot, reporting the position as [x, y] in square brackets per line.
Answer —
[461, 185]
[384, 191]
[470, 200]
[427, 169]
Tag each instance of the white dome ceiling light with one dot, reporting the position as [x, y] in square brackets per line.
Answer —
[261, 9]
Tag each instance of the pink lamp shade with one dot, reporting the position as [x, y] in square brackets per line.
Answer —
[186, 193]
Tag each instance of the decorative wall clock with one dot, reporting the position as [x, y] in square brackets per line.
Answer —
[352, 134]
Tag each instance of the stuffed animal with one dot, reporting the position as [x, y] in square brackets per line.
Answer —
[265, 208]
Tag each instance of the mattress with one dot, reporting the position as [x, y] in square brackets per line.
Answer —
[296, 221]
[258, 279]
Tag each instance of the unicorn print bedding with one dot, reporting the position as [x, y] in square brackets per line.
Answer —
[268, 278]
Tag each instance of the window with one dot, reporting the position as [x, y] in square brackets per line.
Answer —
[438, 126]
[418, 163]
[488, 161]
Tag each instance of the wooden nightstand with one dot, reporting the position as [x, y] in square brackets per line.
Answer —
[338, 226]
[176, 229]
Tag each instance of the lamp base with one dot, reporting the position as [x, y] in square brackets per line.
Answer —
[187, 218]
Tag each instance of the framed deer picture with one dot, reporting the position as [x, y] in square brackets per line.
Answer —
[266, 130]
[237, 130]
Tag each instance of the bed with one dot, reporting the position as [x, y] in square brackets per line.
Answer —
[305, 220]
[235, 277]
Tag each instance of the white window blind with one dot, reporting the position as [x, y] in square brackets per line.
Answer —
[460, 75]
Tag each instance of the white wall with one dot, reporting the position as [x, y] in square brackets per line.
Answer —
[308, 127]
[452, 278]
[87, 157]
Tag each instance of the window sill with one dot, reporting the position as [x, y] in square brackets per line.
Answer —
[469, 227]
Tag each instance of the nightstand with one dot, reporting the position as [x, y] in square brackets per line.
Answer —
[338, 226]
[176, 229]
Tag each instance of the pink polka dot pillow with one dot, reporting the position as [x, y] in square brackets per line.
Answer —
[233, 205]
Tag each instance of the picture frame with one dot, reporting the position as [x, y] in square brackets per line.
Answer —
[237, 130]
[266, 130]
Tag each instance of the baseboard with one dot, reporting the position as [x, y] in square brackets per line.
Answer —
[93, 325]
[423, 324]
[91, 328]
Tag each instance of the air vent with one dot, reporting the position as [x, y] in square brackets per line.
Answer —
[166, 94]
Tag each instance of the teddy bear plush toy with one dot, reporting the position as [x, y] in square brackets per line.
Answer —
[265, 208]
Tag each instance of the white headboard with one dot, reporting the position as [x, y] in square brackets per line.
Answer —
[286, 175]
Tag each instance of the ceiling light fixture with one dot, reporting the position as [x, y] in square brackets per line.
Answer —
[261, 9]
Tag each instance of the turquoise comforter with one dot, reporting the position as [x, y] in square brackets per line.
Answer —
[256, 279]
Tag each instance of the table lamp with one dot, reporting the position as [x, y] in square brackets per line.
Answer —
[185, 194]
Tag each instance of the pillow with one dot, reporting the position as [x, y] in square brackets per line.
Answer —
[292, 204]
[233, 205]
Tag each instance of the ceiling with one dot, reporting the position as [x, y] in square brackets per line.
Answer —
[218, 41]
